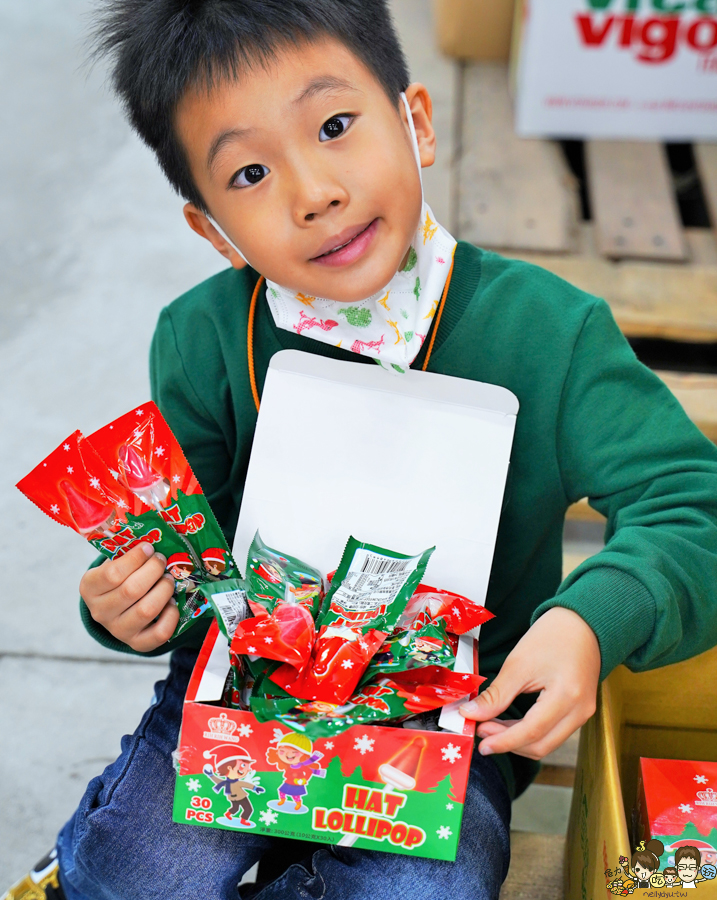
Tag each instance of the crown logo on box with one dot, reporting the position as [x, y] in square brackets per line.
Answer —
[221, 728]
[708, 797]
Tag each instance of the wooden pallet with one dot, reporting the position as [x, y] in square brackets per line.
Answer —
[518, 196]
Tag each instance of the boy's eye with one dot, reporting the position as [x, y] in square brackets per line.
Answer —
[333, 127]
[250, 175]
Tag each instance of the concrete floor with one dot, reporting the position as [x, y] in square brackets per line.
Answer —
[92, 245]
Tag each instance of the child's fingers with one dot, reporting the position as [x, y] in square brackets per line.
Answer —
[139, 616]
[498, 696]
[114, 572]
[159, 632]
[550, 741]
[540, 719]
[109, 606]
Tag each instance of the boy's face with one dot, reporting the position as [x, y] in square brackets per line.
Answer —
[687, 869]
[301, 157]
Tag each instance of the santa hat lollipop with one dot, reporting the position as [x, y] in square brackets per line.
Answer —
[401, 770]
[226, 753]
[136, 473]
[89, 515]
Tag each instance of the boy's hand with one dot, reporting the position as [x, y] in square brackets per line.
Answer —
[127, 594]
[560, 657]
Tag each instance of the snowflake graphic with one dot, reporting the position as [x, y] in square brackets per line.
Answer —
[685, 807]
[444, 832]
[54, 508]
[466, 677]
[268, 817]
[70, 470]
[329, 745]
[701, 779]
[193, 784]
[347, 664]
[450, 753]
[251, 650]
[122, 504]
[278, 735]
[159, 451]
[65, 446]
[364, 744]
[176, 479]
[245, 730]
[449, 806]
[139, 412]
[268, 640]
[95, 483]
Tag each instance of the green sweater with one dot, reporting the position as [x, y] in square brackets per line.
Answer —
[593, 422]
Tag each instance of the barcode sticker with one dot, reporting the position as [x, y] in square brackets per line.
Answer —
[232, 606]
[373, 581]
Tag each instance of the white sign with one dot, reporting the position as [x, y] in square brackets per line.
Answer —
[633, 69]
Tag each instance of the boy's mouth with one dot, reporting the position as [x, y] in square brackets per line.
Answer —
[347, 246]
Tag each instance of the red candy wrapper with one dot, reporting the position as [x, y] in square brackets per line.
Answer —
[287, 635]
[429, 604]
[130, 482]
[432, 686]
[341, 655]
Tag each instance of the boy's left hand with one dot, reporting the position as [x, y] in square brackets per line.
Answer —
[559, 656]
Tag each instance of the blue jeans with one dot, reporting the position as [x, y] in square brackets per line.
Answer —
[121, 843]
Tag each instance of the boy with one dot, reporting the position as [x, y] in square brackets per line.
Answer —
[293, 132]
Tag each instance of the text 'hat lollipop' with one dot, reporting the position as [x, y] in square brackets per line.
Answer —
[401, 770]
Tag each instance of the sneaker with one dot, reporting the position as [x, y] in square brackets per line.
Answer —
[42, 882]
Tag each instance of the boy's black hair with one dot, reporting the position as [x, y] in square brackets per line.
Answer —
[161, 47]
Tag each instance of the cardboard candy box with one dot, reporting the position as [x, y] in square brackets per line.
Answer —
[380, 788]
[677, 803]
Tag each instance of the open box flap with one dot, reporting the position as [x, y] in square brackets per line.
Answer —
[405, 462]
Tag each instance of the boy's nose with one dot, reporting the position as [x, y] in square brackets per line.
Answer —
[316, 194]
[311, 216]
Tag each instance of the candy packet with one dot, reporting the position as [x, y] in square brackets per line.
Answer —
[429, 604]
[383, 701]
[145, 457]
[130, 482]
[368, 593]
[74, 487]
[287, 635]
[404, 650]
[228, 600]
[275, 578]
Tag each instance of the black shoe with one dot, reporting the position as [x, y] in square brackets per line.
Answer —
[42, 882]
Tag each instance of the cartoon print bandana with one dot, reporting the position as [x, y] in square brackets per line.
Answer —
[392, 324]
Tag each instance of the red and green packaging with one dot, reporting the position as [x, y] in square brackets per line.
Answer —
[287, 635]
[130, 482]
[228, 600]
[368, 594]
[403, 650]
[273, 577]
[428, 605]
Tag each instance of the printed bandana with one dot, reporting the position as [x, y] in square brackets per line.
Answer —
[392, 324]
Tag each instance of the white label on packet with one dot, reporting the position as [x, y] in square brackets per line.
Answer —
[373, 581]
[233, 608]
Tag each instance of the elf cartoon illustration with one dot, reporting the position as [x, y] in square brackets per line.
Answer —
[231, 772]
[181, 568]
[214, 560]
[425, 651]
[295, 757]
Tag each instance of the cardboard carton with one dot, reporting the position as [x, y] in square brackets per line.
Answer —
[667, 712]
[478, 30]
[376, 788]
[677, 803]
[633, 69]
[406, 462]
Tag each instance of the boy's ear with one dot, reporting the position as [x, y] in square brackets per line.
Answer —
[422, 109]
[200, 223]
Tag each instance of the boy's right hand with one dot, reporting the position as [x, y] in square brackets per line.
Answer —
[126, 595]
